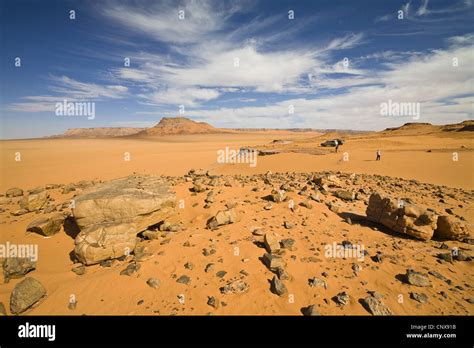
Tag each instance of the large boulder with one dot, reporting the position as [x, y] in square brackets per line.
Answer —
[405, 218]
[110, 215]
[140, 200]
[105, 241]
[25, 294]
[47, 226]
[34, 201]
[451, 228]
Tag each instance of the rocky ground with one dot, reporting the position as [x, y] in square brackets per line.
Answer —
[326, 243]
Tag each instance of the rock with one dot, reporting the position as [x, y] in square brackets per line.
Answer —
[273, 262]
[189, 265]
[5, 200]
[68, 188]
[306, 204]
[277, 286]
[49, 208]
[36, 190]
[288, 243]
[278, 196]
[48, 226]
[342, 298]
[407, 218]
[213, 302]
[271, 243]
[131, 269]
[105, 241]
[269, 206]
[34, 202]
[14, 192]
[167, 226]
[141, 254]
[257, 231]
[221, 274]
[417, 278]
[356, 268]
[106, 263]
[345, 195]
[19, 212]
[184, 279]
[448, 227]
[459, 255]
[378, 257]
[235, 287]
[25, 294]
[315, 197]
[150, 234]
[79, 270]
[438, 275]
[198, 187]
[310, 311]
[328, 180]
[223, 217]
[334, 207]
[315, 282]
[422, 298]
[448, 257]
[282, 274]
[17, 267]
[153, 283]
[209, 267]
[375, 306]
[288, 225]
[141, 201]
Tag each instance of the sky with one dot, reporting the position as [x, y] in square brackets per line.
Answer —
[234, 64]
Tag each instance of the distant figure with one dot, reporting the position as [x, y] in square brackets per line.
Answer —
[337, 144]
[378, 155]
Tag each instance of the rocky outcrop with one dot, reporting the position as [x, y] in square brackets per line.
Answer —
[110, 215]
[405, 218]
[449, 227]
[105, 241]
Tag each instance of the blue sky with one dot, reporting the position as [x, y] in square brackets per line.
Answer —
[333, 64]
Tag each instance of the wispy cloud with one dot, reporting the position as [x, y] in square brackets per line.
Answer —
[71, 90]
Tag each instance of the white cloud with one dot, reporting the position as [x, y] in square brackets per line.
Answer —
[180, 96]
[444, 91]
[163, 22]
[71, 90]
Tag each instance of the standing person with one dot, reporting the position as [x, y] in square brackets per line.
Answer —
[378, 155]
[337, 144]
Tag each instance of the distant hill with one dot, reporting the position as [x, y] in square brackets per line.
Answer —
[100, 132]
[179, 125]
[184, 126]
[425, 128]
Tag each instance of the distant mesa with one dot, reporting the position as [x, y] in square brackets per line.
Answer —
[423, 127]
[186, 126]
[167, 126]
[100, 132]
[178, 126]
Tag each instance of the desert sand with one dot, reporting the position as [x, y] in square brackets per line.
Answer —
[419, 162]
